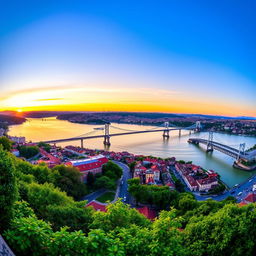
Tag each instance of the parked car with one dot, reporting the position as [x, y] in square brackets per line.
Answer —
[240, 193]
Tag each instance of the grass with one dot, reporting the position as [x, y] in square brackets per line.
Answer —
[108, 196]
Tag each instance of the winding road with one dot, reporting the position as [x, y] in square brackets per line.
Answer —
[122, 187]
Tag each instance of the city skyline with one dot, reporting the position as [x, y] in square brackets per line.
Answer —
[157, 57]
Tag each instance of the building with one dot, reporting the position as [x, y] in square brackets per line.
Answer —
[147, 212]
[2, 131]
[48, 158]
[251, 198]
[196, 178]
[191, 182]
[149, 175]
[207, 183]
[19, 140]
[92, 164]
[156, 171]
[97, 206]
[15, 152]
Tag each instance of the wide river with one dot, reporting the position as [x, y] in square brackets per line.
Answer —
[145, 143]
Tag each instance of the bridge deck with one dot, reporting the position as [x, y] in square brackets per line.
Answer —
[110, 135]
[221, 147]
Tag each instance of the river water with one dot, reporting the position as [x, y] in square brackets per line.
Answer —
[146, 143]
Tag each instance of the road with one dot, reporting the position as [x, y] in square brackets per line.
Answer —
[94, 195]
[123, 190]
[245, 188]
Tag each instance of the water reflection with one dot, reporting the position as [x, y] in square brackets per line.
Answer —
[147, 143]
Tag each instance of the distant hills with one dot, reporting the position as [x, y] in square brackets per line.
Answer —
[41, 114]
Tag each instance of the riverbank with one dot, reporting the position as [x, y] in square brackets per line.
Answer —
[38, 130]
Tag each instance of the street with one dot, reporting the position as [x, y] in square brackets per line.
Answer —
[244, 188]
[123, 191]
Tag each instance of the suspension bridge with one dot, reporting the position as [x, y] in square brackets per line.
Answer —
[239, 154]
[165, 128]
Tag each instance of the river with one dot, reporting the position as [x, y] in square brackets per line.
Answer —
[146, 144]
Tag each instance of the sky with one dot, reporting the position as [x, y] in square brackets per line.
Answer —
[150, 56]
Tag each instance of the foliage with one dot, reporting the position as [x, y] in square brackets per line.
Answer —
[75, 216]
[45, 146]
[160, 196]
[106, 197]
[28, 151]
[8, 188]
[6, 143]
[68, 179]
[49, 222]
[105, 182]
[118, 215]
[229, 231]
[112, 170]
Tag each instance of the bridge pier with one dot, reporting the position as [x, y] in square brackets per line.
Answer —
[82, 143]
[106, 141]
[166, 134]
[209, 143]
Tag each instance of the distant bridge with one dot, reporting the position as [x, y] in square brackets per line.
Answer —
[107, 135]
[238, 154]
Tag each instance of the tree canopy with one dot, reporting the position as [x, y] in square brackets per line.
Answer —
[39, 216]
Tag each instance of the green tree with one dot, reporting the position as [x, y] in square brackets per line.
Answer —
[118, 215]
[68, 179]
[105, 182]
[8, 188]
[113, 168]
[29, 236]
[75, 216]
[6, 143]
[41, 173]
[28, 151]
[167, 240]
[45, 146]
[42, 195]
[229, 231]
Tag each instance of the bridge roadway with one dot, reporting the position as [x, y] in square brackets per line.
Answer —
[233, 152]
[110, 135]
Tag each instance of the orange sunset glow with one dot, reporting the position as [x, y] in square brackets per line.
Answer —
[100, 99]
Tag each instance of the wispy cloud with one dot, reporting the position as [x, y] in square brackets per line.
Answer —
[49, 99]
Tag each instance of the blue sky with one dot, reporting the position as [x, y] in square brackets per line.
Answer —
[197, 49]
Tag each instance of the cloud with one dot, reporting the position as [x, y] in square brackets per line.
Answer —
[49, 99]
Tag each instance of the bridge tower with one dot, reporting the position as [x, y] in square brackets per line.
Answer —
[241, 151]
[198, 126]
[82, 143]
[209, 143]
[106, 136]
[166, 130]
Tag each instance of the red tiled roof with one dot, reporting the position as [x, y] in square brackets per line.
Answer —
[52, 159]
[242, 204]
[147, 212]
[251, 198]
[97, 206]
[89, 164]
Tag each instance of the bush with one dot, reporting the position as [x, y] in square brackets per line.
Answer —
[28, 151]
